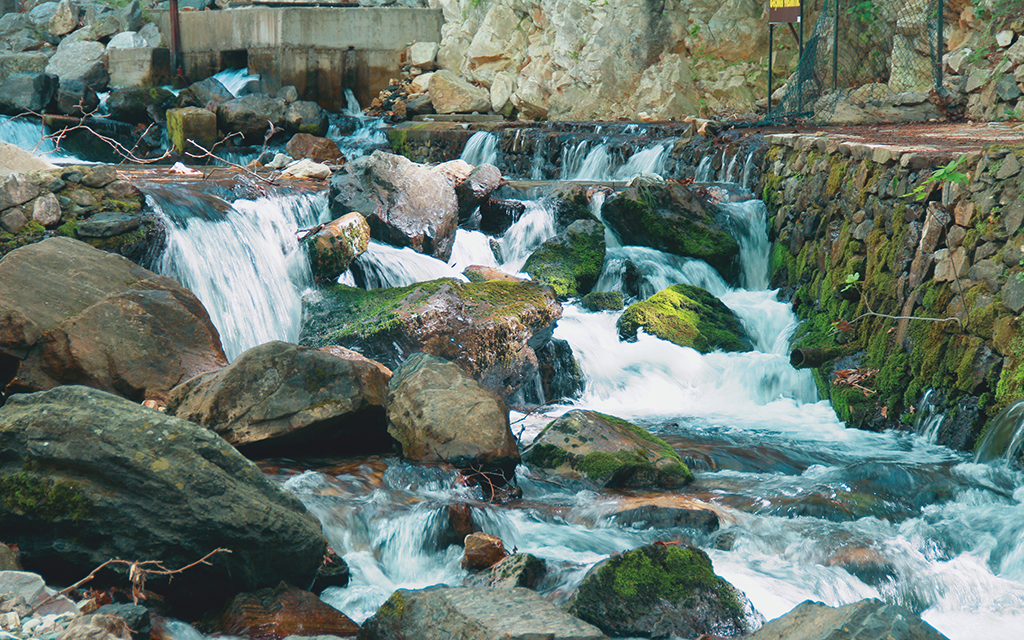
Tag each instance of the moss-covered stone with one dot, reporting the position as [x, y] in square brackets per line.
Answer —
[660, 590]
[606, 451]
[688, 316]
[570, 263]
[41, 497]
[602, 301]
[671, 217]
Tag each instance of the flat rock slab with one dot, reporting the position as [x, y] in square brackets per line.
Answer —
[441, 612]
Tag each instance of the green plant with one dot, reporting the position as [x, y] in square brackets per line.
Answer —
[851, 282]
[941, 175]
[694, 30]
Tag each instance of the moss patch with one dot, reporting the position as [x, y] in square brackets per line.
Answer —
[571, 263]
[26, 494]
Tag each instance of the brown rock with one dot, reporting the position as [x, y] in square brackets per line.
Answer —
[97, 626]
[460, 517]
[482, 551]
[8, 559]
[304, 145]
[479, 273]
[272, 614]
[77, 315]
[349, 354]
[333, 248]
[46, 210]
[451, 94]
[520, 570]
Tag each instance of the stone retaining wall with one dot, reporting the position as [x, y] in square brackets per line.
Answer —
[852, 240]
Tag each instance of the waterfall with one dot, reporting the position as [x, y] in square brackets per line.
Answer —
[235, 79]
[386, 266]
[370, 133]
[241, 259]
[481, 148]
[704, 170]
[29, 135]
[748, 169]
[1004, 437]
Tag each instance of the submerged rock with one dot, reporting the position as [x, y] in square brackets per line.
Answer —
[443, 613]
[688, 316]
[602, 301]
[78, 315]
[439, 414]
[607, 451]
[865, 620]
[280, 397]
[670, 217]
[660, 590]
[519, 570]
[490, 329]
[86, 476]
[571, 262]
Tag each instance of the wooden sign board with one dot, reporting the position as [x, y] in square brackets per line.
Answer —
[783, 11]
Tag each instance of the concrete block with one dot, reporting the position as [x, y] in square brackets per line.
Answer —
[139, 67]
[191, 123]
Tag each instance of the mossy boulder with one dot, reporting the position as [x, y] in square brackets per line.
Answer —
[607, 452]
[333, 248]
[671, 217]
[139, 105]
[602, 301]
[86, 476]
[571, 203]
[490, 329]
[688, 316]
[660, 590]
[571, 262]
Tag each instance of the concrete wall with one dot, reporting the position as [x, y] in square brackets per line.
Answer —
[319, 50]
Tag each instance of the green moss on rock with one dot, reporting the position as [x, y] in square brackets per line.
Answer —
[602, 301]
[570, 263]
[687, 316]
[28, 494]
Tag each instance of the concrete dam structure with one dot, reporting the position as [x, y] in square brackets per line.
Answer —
[319, 50]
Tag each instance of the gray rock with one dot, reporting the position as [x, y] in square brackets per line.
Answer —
[23, 92]
[139, 105]
[865, 620]
[84, 60]
[519, 570]
[988, 271]
[108, 224]
[437, 413]
[75, 98]
[16, 189]
[127, 40]
[289, 94]
[46, 210]
[130, 17]
[135, 616]
[279, 396]
[13, 220]
[472, 192]
[861, 231]
[442, 613]
[251, 116]
[1009, 168]
[405, 203]
[24, 62]
[333, 248]
[1006, 88]
[41, 14]
[1013, 293]
[145, 485]
[305, 117]
[65, 18]
[98, 176]
[152, 34]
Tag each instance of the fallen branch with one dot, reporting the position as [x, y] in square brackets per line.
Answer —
[137, 574]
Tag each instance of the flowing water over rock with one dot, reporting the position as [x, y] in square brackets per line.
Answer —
[808, 508]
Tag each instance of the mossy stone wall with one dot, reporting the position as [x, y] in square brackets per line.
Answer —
[915, 278]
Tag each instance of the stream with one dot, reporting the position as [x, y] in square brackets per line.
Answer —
[808, 508]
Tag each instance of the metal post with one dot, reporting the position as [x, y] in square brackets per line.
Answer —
[175, 38]
[835, 52]
[800, 66]
[771, 46]
[940, 24]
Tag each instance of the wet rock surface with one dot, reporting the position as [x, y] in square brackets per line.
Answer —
[687, 316]
[868, 619]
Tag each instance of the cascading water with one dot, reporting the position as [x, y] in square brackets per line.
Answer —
[481, 148]
[369, 133]
[1004, 438]
[234, 80]
[30, 136]
[386, 266]
[810, 509]
[241, 259]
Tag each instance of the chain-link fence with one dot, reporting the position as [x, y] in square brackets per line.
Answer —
[866, 50]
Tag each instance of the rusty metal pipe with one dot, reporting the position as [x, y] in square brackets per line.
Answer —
[175, 38]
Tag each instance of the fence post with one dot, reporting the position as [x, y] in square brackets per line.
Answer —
[835, 51]
[940, 23]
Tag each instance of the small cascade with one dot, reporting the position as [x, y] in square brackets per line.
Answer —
[241, 259]
[646, 162]
[29, 135]
[536, 225]
[595, 165]
[748, 170]
[537, 163]
[234, 80]
[481, 148]
[728, 169]
[611, 241]
[929, 420]
[471, 248]
[368, 135]
[749, 221]
[1004, 437]
[385, 266]
[705, 169]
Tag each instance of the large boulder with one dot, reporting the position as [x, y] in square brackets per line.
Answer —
[491, 329]
[75, 98]
[64, 19]
[191, 123]
[304, 145]
[670, 217]
[139, 105]
[251, 115]
[82, 60]
[451, 94]
[86, 476]
[439, 414]
[571, 262]
[688, 316]
[865, 620]
[23, 92]
[607, 452]
[406, 204]
[73, 314]
[661, 590]
[279, 396]
[333, 248]
[442, 613]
